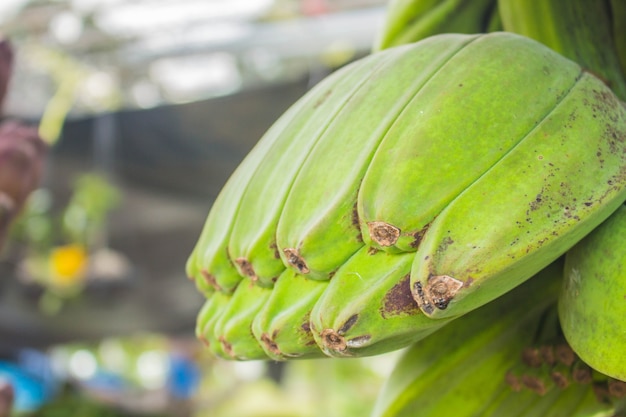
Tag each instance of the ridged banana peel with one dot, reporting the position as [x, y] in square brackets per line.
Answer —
[441, 174]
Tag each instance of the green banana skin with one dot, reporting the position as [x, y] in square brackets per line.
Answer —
[500, 230]
[455, 129]
[233, 327]
[367, 307]
[282, 325]
[195, 275]
[411, 21]
[252, 244]
[592, 305]
[578, 29]
[462, 366]
[320, 207]
[210, 264]
[207, 318]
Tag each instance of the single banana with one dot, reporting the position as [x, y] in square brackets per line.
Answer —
[560, 182]
[411, 21]
[282, 325]
[456, 129]
[205, 324]
[462, 366]
[592, 304]
[578, 29]
[367, 307]
[233, 327]
[252, 243]
[318, 229]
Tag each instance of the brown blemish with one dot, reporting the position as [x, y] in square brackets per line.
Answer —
[513, 381]
[535, 384]
[547, 354]
[420, 297]
[560, 379]
[418, 236]
[399, 300]
[270, 344]
[356, 222]
[532, 357]
[322, 99]
[210, 279]
[306, 327]
[564, 354]
[228, 348]
[617, 388]
[359, 341]
[246, 268]
[295, 260]
[333, 340]
[582, 373]
[348, 324]
[204, 341]
[383, 233]
[274, 248]
[372, 251]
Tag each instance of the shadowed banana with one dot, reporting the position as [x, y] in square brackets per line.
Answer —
[592, 304]
[367, 308]
[461, 368]
[252, 243]
[562, 180]
[233, 327]
[409, 21]
[618, 13]
[456, 128]
[318, 229]
[282, 325]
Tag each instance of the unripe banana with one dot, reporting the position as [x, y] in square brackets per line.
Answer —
[321, 206]
[409, 21]
[460, 128]
[252, 243]
[367, 308]
[562, 180]
[205, 324]
[461, 368]
[282, 325]
[592, 304]
[233, 327]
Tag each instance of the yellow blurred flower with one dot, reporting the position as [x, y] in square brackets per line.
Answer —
[68, 264]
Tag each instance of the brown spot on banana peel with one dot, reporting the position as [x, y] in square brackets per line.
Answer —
[210, 279]
[295, 260]
[399, 300]
[437, 293]
[333, 340]
[270, 344]
[226, 346]
[246, 268]
[616, 388]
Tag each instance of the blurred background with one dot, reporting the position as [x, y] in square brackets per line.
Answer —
[147, 107]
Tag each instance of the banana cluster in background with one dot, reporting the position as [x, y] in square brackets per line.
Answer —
[429, 195]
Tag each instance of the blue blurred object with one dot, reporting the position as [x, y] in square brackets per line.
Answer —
[183, 377]
[32, 378]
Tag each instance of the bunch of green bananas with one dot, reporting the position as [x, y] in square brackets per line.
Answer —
[409, 198]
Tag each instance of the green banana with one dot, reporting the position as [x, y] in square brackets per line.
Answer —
[443, 144]
[320, 207]
[252, 244]
[233, 326]
[205, 324]
[592, 305]
[409, 21]
[282, 325]
[367, 307]
[578, 29]
[462, 366]
[572, 174]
